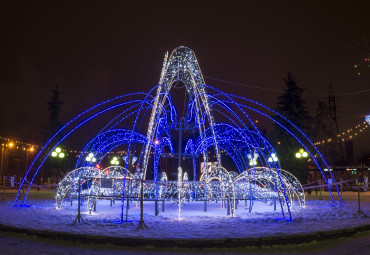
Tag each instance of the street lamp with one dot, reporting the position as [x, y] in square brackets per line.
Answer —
[58, 153]
[114, 161]
[91, 158]
[252, 159]
[272, 158]
[29, 150]
[4, 158]
[301, 154]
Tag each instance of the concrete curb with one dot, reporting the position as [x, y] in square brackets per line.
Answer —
[189, 243]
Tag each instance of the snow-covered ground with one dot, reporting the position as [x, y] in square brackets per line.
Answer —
[263, 221]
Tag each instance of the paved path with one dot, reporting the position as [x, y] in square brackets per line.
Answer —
[22, 244]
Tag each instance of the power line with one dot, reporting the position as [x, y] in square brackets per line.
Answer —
[283, 91]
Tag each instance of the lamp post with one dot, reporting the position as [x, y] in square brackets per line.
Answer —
[29, 150]
[4, 162]
[302, 154]
[4, 158]
[114, 161]
[58, 153]
[252, 159]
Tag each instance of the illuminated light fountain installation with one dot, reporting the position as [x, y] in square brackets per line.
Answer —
[143, 127]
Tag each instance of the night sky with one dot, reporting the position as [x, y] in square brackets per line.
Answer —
[97, 50]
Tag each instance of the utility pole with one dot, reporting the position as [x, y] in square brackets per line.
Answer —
[333, 115]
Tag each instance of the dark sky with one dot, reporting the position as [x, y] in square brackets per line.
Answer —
[96, 50]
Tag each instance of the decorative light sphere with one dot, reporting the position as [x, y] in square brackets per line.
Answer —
[54, 154]
[305, 154]
[61, 155]
[58, 149]
[298, 155]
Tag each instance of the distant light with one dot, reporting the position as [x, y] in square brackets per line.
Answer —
[305, 154]
[91, 154]
[58, 149]
[61, 155]
[11, 144]
[156, 141]
[32, 149]
[298, 155]
[54, 154]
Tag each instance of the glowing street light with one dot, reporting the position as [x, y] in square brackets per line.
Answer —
[91, 158]
[58, 153]
[252, 159]
[29, 150]
[114, 161]
[301, 154]
[273, 158]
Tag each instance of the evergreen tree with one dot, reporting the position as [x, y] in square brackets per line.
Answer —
[291, 105]
[54, 123]
[56, 165]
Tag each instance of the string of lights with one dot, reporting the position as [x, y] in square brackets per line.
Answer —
[15, 144]
[347, 135]
[283, 91]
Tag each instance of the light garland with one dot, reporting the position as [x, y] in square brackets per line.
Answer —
[18, 144]
[348, 134]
